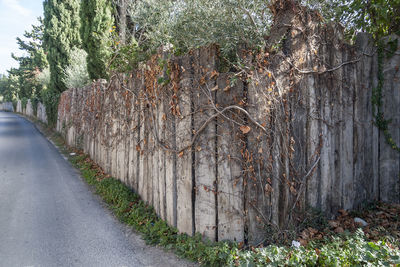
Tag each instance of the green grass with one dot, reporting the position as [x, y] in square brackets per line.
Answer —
[342, 250]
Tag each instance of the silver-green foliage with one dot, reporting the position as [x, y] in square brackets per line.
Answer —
[187, 24]
[76, 74]
[43, 78]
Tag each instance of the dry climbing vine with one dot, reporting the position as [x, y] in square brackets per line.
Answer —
[244, 144]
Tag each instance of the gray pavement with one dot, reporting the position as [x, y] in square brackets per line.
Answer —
[50, 217]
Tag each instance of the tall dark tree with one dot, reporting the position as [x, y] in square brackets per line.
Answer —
[61, 34]
[97, 21]
[31, 63]
[8, 87]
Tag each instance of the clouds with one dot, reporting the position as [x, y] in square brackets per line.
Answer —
[16, 6]
[16, 16]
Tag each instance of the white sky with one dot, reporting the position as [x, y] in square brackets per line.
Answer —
[16, 16]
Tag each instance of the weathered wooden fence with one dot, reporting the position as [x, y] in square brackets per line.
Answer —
[28, 110]
[7, 106]
[41, 113]
[231, 155]
[19, 107]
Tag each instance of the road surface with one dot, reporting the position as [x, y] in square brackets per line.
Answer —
[49, 216]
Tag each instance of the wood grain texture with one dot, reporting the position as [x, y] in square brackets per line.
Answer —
[317, 146]
[205, 171]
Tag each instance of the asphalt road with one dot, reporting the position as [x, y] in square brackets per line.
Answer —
[50, 217]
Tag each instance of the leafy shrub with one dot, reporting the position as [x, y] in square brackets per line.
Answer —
[344, 250]
[76, 74]
[126, 55]
[380, 18]
[43, 77]
[186, 24]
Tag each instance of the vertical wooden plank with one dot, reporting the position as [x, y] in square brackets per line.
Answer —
[284, 119]
[261, 201]
[114, 146]
[326, 166]
[101, 127]
[136, 85]
[363, 127]
[161, 160]
[170, 160]
[183, 140]
[155, 160]
[121, 135]
[114, 131]
[389, 160]
[123, 145]
[132, 148]
[375, 134]
[205, 164]
[346, 135]
[102, 130]
[170, 188]
[127, 131]
[313, 132]
[149, 158]
[142, 185]
[230, 176]
[86, 139]
[299, 107]
[336, 122]
[133, 135]
[96, 123]
[107, 131]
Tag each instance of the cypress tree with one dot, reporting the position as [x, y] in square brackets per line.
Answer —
[97, 21]
[61, 34]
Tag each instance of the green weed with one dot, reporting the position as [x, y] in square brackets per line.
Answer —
[343, 250]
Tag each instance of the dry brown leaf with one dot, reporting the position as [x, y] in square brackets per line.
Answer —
[339, 230]
[268, 189]
[245, 129]
[333, 224]
[343, 212]
[178, 111]
[293, 190]
[303, 242]
[214, 73]
[312, 231]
